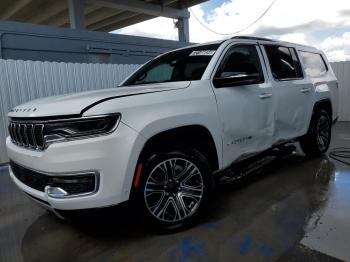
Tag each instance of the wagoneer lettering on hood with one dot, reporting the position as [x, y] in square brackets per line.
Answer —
[75, 104]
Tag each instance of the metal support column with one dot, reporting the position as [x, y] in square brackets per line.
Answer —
[183, 29]
[76, 14]
[1, 35]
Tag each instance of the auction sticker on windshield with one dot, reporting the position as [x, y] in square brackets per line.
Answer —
[203, 52]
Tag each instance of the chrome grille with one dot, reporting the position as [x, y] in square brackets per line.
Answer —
[29, 135]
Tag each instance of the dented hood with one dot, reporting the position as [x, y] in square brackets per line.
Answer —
[75, 104]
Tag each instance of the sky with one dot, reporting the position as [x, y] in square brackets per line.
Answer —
[324, 24]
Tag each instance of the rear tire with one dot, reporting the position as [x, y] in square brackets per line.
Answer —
[174, 188]
[316, 141]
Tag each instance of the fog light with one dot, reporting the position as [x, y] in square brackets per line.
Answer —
[55, 192]
[73, 185]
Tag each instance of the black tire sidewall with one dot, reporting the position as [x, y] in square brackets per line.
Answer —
[319, 115]
[309, 142]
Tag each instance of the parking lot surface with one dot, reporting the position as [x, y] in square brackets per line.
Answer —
[296, 209]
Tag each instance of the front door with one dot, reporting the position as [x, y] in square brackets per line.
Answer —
[244, 104]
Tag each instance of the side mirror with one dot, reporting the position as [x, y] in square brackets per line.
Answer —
[236, 80]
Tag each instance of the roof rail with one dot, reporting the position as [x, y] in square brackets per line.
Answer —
[252, 38]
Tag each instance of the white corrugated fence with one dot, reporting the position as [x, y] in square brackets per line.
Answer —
[22, 81]
[342, 71]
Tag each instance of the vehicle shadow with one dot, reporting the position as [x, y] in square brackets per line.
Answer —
[312, 173]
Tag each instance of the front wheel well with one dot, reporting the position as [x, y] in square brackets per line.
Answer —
[324, 104]
[194, 136]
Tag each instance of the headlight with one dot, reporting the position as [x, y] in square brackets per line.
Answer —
[80, 128]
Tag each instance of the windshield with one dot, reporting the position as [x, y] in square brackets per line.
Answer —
[181, 65]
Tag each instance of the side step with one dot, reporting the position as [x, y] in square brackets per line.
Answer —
[254, 164]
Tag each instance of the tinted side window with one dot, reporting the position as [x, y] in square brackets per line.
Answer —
[284, 62]
[241, 59]
[296, 62]
[314, 64]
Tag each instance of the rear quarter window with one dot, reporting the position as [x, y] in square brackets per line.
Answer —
[314, 64]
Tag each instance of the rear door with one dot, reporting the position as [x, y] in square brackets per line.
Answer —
[245, 109]
[321, 76]
[292, 92]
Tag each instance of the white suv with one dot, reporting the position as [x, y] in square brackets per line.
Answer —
[162, 135]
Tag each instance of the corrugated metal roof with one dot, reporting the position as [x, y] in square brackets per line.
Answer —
[97, 18]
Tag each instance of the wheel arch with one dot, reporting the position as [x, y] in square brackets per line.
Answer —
[196, 136]
[325, 104]
[311, 143]
[192, 135]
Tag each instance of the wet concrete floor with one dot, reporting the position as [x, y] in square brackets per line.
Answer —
[298, 209]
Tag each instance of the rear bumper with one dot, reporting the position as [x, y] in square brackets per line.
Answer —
[113, 157]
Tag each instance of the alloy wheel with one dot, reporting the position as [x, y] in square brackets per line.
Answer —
[174, 190]
[323, 133]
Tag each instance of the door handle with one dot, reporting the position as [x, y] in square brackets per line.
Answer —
[305, 90]
[265, 95]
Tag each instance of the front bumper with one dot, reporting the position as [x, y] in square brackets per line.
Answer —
[113, 157]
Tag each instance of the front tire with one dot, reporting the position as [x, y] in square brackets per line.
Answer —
[174, 188]
[316, 142]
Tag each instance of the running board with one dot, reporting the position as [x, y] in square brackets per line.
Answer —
[254, 164]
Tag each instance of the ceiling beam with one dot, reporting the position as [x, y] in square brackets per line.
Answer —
[14, 8]
[58, 19]
[100, 14]
[141, 7]
[62, 18]
[134, 20]
[51, 9]
[111, 20]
